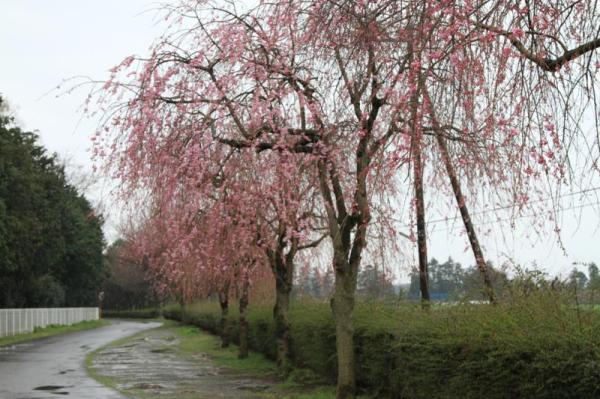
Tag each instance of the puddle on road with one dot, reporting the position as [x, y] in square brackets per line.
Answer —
[53, 389]
[63, 372]
[14, 347]
[49, 388]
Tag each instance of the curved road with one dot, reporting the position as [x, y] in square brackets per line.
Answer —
[54, 367]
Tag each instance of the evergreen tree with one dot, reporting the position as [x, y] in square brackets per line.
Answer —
[51, 241]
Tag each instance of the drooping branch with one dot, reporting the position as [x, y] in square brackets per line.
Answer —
[301, 146]
[462, 206]
[313, 244]
[545, 63]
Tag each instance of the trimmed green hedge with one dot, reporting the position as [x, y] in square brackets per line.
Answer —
[147, 313]
[532, 348]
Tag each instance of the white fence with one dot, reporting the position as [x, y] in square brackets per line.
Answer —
[19, 321]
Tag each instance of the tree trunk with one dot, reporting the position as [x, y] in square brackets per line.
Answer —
[464, 213]
[417, 160]
[184, 311]
[342, 305]
[284, 272]
[224, 303]
[348, 232]
[421, 228]
[243, 348]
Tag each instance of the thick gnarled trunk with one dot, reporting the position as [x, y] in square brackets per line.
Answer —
[342, 305]
[349, 235]
[284, 273]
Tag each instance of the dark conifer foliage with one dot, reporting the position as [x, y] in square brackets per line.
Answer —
[51, 240]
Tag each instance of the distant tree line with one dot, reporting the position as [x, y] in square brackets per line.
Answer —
[449, 281]
[51, 240]
[586, 287]
[126, 286]
[373, 283]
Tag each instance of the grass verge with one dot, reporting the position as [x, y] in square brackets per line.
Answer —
[301, 384]
[193, 340]
[52, 330]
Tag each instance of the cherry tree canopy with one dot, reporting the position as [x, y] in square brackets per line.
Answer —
[345, 94]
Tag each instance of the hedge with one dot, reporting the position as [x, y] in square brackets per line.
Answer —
[146, 313]
[535, 348]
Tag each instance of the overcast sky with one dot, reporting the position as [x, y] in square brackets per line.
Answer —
[44, 42]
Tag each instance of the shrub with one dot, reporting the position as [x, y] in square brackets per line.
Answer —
[147, 313]
[535, 346]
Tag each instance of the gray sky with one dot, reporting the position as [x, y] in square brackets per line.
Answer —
[43, 42]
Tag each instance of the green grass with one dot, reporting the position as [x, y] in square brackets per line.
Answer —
[194, 341]
[104, 380]
[52, 330]
[300, 384]
[319, 393]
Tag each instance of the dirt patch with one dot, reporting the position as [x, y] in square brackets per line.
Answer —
[150, 366]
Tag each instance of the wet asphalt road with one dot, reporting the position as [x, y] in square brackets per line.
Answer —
[54, 367]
